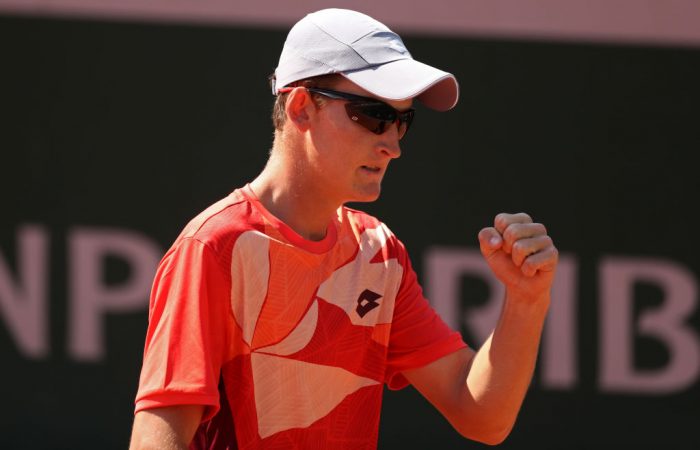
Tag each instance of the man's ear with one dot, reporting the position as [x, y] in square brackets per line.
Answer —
[300, 107]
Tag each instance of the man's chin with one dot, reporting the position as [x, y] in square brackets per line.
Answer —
[367, 195]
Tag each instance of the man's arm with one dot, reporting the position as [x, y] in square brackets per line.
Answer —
[480, 393]
[168, 428]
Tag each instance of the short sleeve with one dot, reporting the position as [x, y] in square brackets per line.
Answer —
[187, 333]
[418, 335]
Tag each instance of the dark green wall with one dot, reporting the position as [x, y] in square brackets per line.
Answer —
[139, 127]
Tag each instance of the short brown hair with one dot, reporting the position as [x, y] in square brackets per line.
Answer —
[279, 115]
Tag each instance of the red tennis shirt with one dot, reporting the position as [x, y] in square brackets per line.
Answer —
[287, 342]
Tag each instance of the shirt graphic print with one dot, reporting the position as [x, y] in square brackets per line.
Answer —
[287, 341]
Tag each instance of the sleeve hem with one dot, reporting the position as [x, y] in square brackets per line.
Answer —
[396, 380]
[211, 402]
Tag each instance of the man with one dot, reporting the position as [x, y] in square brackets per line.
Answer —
[279, 313]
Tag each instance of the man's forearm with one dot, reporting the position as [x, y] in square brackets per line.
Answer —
[169, 428]
[501, 371]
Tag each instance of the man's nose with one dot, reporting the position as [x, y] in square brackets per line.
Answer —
[390, 144]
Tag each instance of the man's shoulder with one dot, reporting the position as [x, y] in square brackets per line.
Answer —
[361, 218]
[363, 221]
[222, 222]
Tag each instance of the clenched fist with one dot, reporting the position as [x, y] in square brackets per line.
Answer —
[520, 254]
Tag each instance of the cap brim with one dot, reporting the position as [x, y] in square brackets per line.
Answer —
[408, 78]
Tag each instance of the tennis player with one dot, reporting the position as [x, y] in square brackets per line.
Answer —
[278, 314]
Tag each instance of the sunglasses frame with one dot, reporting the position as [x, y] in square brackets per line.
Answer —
[359, 111]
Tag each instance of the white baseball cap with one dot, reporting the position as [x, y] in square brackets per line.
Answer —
[365, 52]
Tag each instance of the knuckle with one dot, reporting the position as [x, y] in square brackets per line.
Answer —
[524, 216]
[500, 219]
[512, 231]
[555, 254]
[518, 248]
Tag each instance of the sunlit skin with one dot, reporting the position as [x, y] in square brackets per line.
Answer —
[351, 161]
[323, 160]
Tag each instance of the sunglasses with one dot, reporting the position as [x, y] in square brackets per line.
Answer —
[374, 115]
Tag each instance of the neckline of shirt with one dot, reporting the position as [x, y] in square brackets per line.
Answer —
[289, 234]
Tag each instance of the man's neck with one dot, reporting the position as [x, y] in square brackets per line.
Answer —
[294, 201]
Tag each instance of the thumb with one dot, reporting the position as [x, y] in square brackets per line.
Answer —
[490, 241]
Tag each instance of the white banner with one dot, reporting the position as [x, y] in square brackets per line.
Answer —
[656, 22]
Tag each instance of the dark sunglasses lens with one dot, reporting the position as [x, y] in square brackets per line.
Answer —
[373, 116]
[376, 117]
[405, 120]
